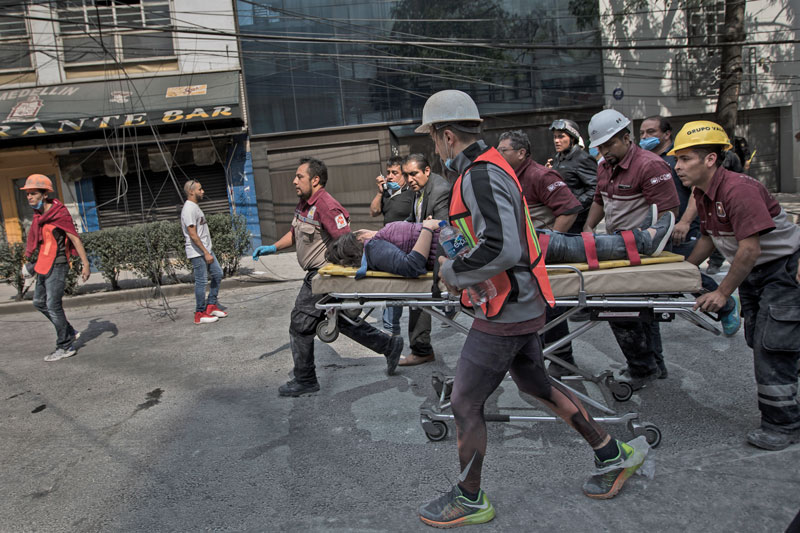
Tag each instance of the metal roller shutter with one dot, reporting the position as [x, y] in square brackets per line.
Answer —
[156, 198]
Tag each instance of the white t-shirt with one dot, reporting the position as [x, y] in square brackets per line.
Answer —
[192, 215]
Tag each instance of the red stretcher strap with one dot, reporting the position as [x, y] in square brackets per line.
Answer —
[590, 249]
[630, 247]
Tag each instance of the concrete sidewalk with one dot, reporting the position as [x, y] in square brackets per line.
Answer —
[275, 268]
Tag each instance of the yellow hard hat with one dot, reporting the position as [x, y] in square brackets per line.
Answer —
[698, 133]
[37, 181]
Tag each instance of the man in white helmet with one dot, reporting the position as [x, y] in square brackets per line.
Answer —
[487, 205]
[629, 181]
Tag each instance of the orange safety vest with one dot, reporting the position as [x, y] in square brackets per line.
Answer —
[462, 219]
[47, 251]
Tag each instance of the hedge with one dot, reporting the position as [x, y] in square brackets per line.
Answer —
[151, 250]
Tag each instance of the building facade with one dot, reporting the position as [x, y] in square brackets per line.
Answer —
[121, 103]
[346, 82]
[683, 82]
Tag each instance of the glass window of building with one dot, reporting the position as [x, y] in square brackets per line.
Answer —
[320, 64]
[104, 31]
[15, 52]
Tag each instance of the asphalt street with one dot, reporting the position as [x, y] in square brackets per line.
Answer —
[160, 425]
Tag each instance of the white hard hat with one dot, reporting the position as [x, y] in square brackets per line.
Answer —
[447, 107]
[605, 124]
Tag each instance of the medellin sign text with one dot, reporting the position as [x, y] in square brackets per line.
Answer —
[51, 127]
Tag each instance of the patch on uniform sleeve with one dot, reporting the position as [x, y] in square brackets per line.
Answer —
[311, 212]
[341, 221]
[720, 210]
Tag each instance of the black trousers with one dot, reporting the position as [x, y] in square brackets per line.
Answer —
[770, 297]
[304, 320]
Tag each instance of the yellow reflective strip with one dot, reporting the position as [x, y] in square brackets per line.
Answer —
[461, 223]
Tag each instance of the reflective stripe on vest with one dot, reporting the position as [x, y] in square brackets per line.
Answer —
[47, 251]
[462, 219]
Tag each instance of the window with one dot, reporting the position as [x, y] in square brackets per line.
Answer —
[750, 65]
[15, 52]
[698, 68]
[110, 31]
[293, 85]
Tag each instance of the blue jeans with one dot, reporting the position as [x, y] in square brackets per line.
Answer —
[391, 319]
[201, 271]
[47, 299]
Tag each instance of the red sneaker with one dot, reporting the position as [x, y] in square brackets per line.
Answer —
[213, 310]
[204, 318]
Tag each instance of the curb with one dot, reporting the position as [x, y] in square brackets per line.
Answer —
[130, 295]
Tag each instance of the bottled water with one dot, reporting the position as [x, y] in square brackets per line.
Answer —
[454, 244]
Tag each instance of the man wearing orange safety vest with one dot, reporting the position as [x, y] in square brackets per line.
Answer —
[488, 206]
[53, 234]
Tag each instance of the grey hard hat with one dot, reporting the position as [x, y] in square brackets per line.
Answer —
[569, 126]
[605, 125]
[446, 107]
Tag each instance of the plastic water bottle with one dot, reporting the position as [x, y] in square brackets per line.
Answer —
[455, 244]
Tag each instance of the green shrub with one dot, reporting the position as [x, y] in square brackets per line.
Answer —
[150, 250]
[230, 240]
[12, 257]
[108, 251]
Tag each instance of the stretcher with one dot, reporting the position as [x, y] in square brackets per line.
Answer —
[660, 289]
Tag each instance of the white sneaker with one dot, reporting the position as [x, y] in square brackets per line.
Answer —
[60, 353]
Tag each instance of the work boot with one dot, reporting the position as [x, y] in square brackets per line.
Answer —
[603, 486]
[294, 389]
[414, 359]
[453, 509]
[663, 227]
[769, 439]
[393, 355]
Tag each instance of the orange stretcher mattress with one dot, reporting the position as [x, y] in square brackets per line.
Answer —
[664, 274]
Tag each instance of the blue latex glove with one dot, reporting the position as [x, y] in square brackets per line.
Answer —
[264, 250]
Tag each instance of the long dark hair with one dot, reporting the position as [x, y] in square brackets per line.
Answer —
[345, 250]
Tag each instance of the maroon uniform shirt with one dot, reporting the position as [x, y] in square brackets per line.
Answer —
[735, 207]
[547, 195]
[627, 190]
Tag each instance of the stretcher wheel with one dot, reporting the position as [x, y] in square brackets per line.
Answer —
[653, 435]
[352, 314]
[327, 331]
[435, 430]
[621, 391]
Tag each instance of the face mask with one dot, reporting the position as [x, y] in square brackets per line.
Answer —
[448, 165]
[650, 143]
[594, 152]
[392, 186]
[39, 205]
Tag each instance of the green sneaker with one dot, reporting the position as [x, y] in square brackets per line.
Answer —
[453, 509]
[607, 483]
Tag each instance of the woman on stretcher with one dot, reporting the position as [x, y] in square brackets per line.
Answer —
[409, 250]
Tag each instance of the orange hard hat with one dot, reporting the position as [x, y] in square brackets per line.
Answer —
[37, 181]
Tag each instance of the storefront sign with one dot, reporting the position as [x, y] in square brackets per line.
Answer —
[46, 111]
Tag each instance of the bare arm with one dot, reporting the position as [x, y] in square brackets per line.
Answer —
[375, 204]
[423, 244]
[76, 242]
[192, 231]
[596, 214]
[743, 262]
[286, 241]
[702, 250]
[683, 225]
[564, 222]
